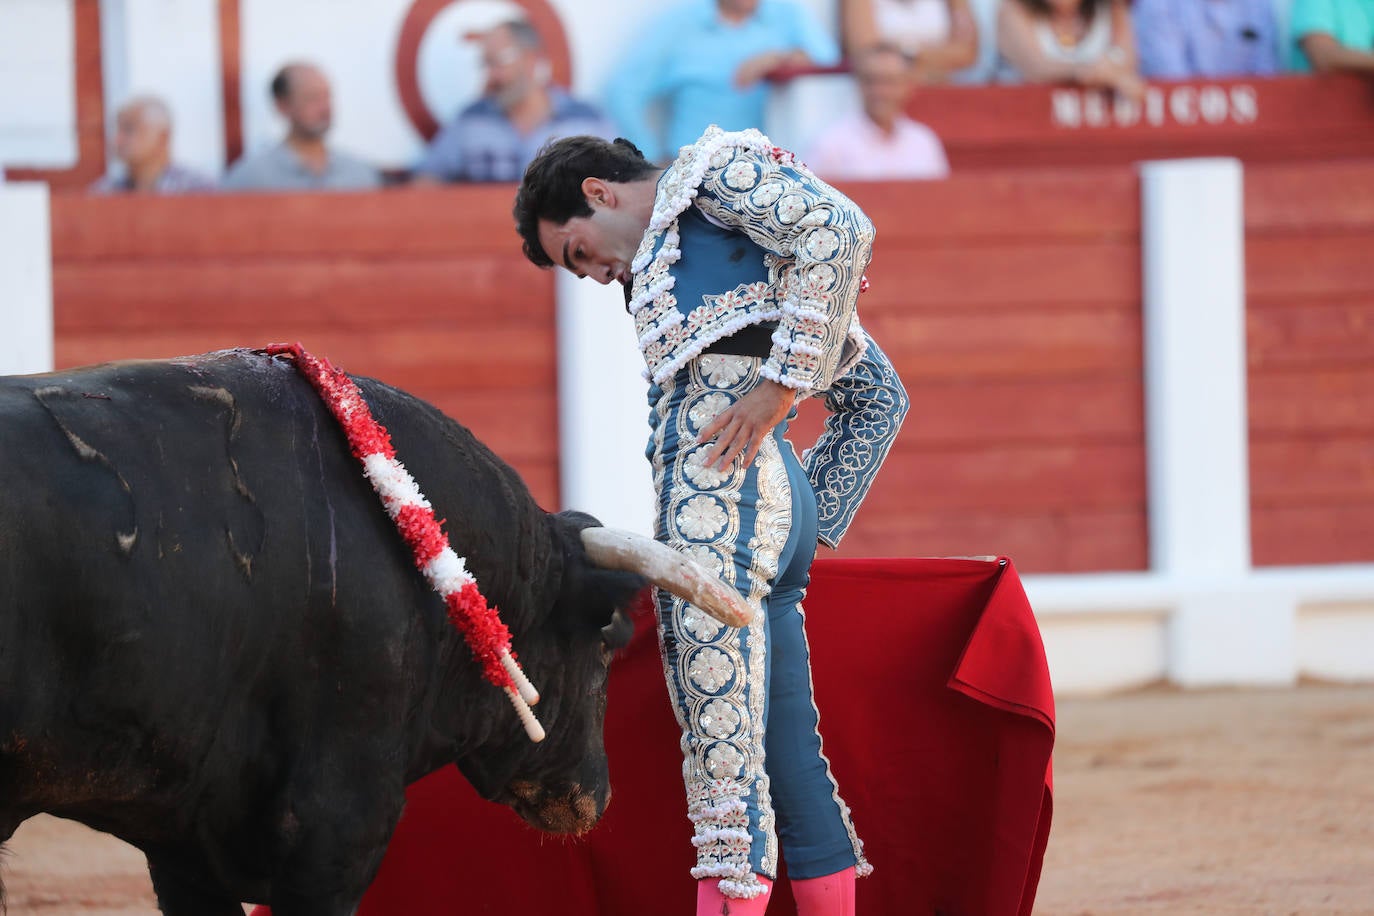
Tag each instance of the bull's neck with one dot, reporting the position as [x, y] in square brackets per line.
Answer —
[443, 731]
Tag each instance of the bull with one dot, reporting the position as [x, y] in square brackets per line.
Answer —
[215, 646]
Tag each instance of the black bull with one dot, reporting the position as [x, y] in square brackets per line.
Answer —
[215, 646]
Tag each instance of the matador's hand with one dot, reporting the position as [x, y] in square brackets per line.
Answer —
[740, 428]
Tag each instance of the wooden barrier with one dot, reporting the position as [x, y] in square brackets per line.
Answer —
[1011, 307]
[1310, 301]
[1274, 119]
[425, 290]
[1009, 302]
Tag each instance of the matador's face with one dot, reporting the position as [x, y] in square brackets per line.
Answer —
[600, 246]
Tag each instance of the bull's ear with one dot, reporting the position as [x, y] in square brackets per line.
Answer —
[591, 593]
[605, 591]
[618, 633]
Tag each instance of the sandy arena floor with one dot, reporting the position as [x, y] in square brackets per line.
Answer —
[1245, 802]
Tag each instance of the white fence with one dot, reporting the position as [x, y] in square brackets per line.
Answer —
[25, 279]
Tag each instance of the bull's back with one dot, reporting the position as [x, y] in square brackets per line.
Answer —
[181, 551]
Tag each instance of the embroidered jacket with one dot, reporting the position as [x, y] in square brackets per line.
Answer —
[795, 252]
[742, 234]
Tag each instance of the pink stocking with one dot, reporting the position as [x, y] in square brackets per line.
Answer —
[711, 902]
[828, 895]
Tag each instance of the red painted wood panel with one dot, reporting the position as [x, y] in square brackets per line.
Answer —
[1310, 324]
[344, 292]
[407, 222]
[1314, 534]
[1311, 332]
[1107, 540]
[1092, 204]
[1013, 316]
[1011, 307]
[1280, 119]
[428, 292]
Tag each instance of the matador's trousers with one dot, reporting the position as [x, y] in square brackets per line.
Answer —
[755, 771]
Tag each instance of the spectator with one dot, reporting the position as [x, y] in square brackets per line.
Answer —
[1087, 42]
[1332, 36]
[880, 142]
[938, 36]
[707, 61]
[143, 145]
[495, 137]
[1213, 38]
[302, 161]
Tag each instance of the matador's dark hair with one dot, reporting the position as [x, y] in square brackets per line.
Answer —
[552, 187]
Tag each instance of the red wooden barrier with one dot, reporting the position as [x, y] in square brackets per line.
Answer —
[1310, 300]
[1009, 302]
[1011, 307]
[427, 291]
[1259, 120]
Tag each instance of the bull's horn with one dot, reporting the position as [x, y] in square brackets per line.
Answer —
[611, 548]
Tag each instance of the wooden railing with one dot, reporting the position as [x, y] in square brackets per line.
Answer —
[1010, 303]
[1310, 312]
[1258, 120]
[1011, 307]
[427, 291]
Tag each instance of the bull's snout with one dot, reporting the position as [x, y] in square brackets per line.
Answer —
[558, 809]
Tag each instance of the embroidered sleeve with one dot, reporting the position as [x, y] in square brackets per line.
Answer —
[867, 405]
[819, 244]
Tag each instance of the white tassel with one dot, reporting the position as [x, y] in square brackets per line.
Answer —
[527, 719]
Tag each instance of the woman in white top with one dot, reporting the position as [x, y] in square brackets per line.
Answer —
[939, 36]
[1087, 42]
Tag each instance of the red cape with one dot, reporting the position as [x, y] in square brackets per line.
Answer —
[938, 721]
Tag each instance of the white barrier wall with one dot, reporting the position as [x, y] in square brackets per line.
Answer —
[37, 84]
[25, 280]
[603, 408]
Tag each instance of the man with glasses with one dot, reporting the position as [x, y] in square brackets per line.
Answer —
[520, 110]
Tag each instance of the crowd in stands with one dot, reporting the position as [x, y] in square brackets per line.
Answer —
[715, 61]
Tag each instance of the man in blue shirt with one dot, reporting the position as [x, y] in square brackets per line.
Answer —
[1179, 39]
[1331, 36]
[706, 61]
[495, 137]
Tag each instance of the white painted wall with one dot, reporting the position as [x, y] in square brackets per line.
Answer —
[25, 279]
[603, 410]
[170, 49]
[37, 84]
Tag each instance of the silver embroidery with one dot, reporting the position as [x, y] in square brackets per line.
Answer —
[867, 407]
[721, 712]
[739, 180]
